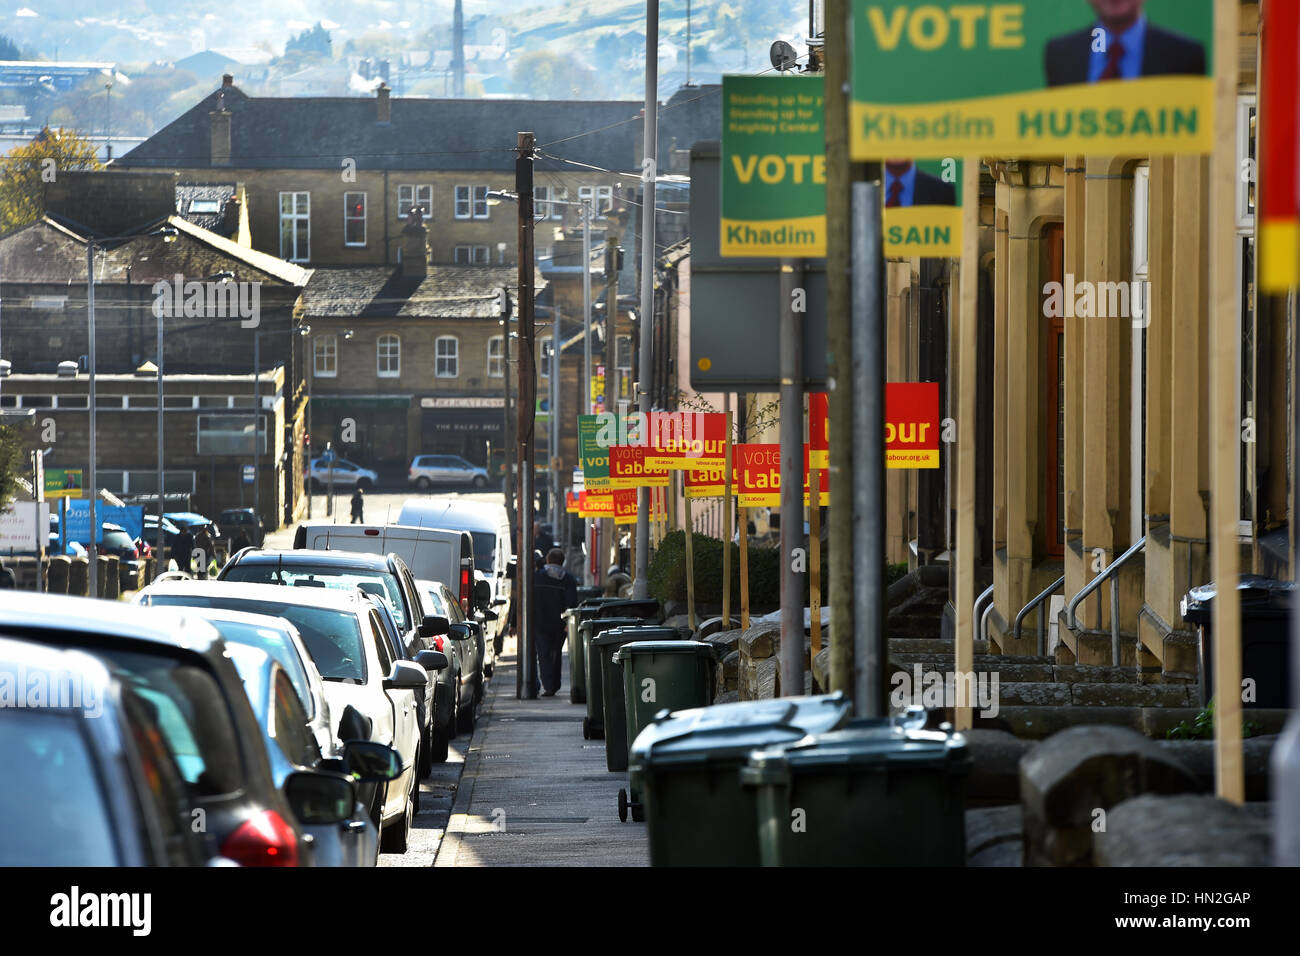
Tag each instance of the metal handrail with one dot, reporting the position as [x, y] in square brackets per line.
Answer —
[985, 595]
[1037, 603]
[1107, 574]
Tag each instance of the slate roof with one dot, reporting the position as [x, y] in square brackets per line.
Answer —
[425, 134]
[187, 193]
[382, 292]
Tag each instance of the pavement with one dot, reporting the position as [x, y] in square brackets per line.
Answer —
[533, 792]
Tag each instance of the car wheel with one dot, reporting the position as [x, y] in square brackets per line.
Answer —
[440, 742]
[425, 765]
[479, 481]
[396, 837]
[423, 483]
[465, 719]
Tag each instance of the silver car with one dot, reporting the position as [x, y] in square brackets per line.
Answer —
[429, 470]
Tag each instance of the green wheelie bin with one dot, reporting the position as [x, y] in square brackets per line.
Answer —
[650, 610]
[593, 725]
[686, 766]
[585, 610]
[661, 675]
[608, 674]
[873, 793]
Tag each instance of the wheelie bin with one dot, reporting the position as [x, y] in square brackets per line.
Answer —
[686, 766]
[650, 610]
[585, 610]
[609, 675]
[876, 792]
[660, 675]
[593, 725]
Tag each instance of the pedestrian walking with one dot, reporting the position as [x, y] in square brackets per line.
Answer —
[203, 542]
[541, 542]
[182, 550]
[555, 590]
[358, 506]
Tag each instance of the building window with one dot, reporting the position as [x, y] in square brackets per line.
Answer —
[600, 199]
[545, 351]
[446, 357]
[473, 256]
[354, 219]
[471, 202]
[295, 226]
[230, 435]
[409, 195]
[388, 356]
[496, 364]
[543, 196]
[325, 348]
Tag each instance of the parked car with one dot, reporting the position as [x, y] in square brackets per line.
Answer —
[192, 521]
[489, 528]
[344, 635]
[235, 521]
[352, 840]
[466, 643]
[150, 534]
[281, 640]
[431, 701]
[429, 470]
[347, 474]
[88, 785]
[178, 664]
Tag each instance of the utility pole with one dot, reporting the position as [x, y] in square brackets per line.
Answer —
[507, 473]
[793, 582]
[839, 348]
[527, 410]
[649, 172]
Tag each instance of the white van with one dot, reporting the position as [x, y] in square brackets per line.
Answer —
[489, 527]
[434, 554]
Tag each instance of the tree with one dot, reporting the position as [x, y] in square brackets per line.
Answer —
[545, 75]
[9, 49]
[11, 463]
[315, 40]
[26, 169]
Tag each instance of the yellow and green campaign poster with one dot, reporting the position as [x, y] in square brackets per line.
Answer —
[922, 215]
[594, 455]
[1034, 78]
[773, 167]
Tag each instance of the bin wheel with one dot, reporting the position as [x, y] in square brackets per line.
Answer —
[573, 696]
[638, 812]
[623, 806]
[586, 729]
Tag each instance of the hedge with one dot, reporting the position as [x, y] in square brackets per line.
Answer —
[667, 574]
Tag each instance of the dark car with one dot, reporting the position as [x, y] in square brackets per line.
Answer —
[468, 643]
[192, 522]
[91, 783]
[243, 521]
[179, 665]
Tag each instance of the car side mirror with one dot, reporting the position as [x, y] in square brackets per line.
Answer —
[406, 675]
[431, 660]
[320, 797]
[489, 615]
[433, 625]
[460, 632]
[371, 762]
[499, 601]
[482, 592]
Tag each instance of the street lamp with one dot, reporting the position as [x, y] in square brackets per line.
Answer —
[168, 234]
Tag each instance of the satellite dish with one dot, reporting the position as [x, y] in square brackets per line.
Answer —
[783, 56]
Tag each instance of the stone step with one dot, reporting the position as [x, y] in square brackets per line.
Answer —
[982, 661]
[1016, 672]
[936, 645]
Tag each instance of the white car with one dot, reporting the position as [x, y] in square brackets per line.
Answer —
[345, 638]
[347, 474]
[429, 470]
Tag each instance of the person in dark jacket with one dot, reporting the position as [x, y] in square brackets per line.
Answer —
[555, 590]
[1131, 47]
[182, 550]
[358, 507]
[203, 542]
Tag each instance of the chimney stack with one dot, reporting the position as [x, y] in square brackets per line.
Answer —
[383, 108]
[227, 81]
[415, 246]
[219, 144]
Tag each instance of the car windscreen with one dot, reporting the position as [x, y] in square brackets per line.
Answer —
[380, 583]
[331, 637]
[485, 545]
[277, 646]
[53, 809]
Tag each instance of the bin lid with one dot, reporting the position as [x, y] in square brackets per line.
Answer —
[731, 731]
[1260, 597]
[874, 742]
[632, 607]
[595, 625]
[627, 633]
[695, 648]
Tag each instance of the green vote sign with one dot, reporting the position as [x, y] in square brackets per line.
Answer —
[1035, 78]
[594, 452]
[773, 167]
